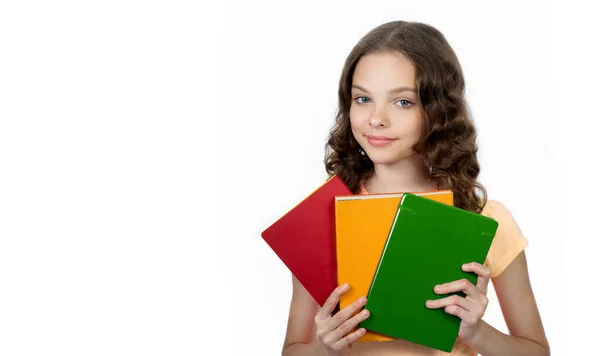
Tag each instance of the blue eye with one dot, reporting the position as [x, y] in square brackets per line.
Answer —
[357, 100]
[364, 100]
[404, 103]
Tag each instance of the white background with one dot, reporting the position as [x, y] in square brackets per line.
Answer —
[145, 145]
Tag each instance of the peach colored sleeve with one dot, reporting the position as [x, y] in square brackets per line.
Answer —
[509, 240]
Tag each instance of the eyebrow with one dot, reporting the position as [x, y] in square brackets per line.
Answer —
[397, 90]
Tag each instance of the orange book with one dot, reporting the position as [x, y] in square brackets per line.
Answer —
[362, 224]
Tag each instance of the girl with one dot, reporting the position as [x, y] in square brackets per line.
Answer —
[403, 126]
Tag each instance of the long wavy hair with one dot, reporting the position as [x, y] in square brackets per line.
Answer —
[448, 139]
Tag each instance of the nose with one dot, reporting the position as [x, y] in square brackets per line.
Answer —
[379, 118]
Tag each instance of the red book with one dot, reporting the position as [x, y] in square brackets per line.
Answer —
[304, 239]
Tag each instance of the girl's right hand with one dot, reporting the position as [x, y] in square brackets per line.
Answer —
[332, 330]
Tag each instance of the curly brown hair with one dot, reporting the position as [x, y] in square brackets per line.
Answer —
[448, 140]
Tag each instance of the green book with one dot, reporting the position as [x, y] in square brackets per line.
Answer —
[427, 245]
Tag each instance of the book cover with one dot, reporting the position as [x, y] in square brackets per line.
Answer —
[304, 239]
[363, 224]
[427, 245]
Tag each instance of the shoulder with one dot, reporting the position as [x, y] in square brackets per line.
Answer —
[509, 240]
[499, 212]
[494, 207]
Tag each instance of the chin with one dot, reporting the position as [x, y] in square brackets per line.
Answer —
[383, 159]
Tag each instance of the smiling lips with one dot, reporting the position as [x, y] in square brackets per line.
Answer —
[380, 141]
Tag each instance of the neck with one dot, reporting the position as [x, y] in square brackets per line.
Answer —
[409, 175]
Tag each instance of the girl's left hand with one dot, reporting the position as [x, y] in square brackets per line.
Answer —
[469, 309]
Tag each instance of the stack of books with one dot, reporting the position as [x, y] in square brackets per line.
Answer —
[391, 248]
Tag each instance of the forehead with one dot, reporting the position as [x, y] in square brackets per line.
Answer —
[383, 72]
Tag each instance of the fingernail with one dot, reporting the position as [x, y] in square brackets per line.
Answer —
[465, 266]
[345, 286]
[365, 312]
[362, 300]
[438, 288]
[429, 303]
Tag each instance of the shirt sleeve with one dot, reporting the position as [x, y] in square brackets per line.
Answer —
[509, 241]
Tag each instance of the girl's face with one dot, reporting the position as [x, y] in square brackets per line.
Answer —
[384, 115]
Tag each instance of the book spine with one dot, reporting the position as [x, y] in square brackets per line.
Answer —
[407, 209]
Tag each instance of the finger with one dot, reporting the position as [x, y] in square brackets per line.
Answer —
[467, 317]
[349, 339]
[483, 273]
[452, 300]
[340, 317]
[332, 301]
[349, 325]
[462, 285]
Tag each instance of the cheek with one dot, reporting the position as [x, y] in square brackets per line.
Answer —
[415, 123]
[358, 116]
